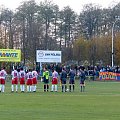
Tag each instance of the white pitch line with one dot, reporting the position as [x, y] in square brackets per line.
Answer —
[52, 95]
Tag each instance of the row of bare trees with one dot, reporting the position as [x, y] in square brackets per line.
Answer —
[43, 26]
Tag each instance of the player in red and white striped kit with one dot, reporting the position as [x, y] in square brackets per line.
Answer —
[29, 81]
[22, 76]
[54, 81]
[15, 77]
[3, 75]
[34, 80]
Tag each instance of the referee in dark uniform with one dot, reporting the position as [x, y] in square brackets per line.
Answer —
[63, 78]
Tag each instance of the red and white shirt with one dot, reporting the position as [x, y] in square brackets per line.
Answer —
[22, 74]
[34, 74]
[14, 74]
[29, 75]
[55, 74]
[3, 74]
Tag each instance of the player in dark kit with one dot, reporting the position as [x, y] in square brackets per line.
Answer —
[82, 80]
[72, 80]
[63, 78]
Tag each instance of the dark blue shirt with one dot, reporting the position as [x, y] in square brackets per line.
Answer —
[63, 75]
[71, 74]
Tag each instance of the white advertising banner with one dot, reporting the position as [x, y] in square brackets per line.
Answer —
[48, 56]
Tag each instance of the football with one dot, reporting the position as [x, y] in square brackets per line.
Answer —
[67, 90]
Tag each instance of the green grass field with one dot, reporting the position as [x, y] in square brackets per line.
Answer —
[100, 101]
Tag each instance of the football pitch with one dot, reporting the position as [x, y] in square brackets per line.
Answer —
[100, 101]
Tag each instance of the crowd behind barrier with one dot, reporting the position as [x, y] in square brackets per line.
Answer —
[92, 72]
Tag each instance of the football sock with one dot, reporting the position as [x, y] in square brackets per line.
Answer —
[35, 88]
[23, 88]
[70, 88]
[62, 88]
[65, 88]
[81, 88]
[3, 88]
[12, 87]
[16, 88]
[44, 88]
[0, 87]
[56, 88]
[30, 88]
[73, 87]
[47, 87]
[27, 88]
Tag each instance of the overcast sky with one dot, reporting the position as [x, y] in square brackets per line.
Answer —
[76, 5]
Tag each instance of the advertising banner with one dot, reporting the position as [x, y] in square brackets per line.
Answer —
[48, 56]
[10, 55]
[107, 76]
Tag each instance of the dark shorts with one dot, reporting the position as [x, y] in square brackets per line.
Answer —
[72, 81]
[46, 81]
[63, 81]
[82, 83]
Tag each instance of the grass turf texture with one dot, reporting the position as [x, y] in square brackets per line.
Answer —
[100, 101]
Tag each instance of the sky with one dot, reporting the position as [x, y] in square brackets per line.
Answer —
[76, 5]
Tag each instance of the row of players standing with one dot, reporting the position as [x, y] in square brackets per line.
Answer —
[31, 82]
[63, 80]
[17, 77]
